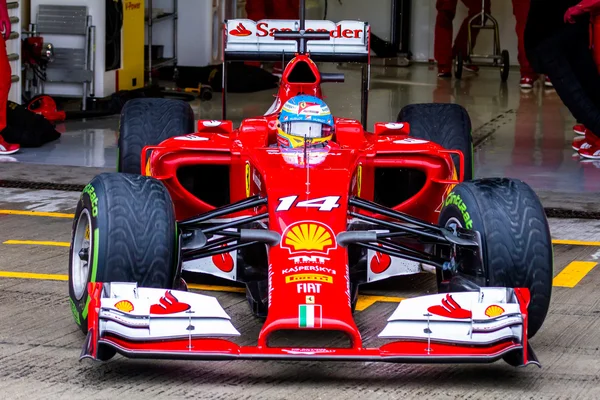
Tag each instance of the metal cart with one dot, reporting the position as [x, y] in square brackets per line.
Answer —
[500, 58]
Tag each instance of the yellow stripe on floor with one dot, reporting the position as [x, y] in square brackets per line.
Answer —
[366, 301]
[38, 243]
[30, 275]
[212, 288]
[37, 213]
[575, 242]
[573, 273]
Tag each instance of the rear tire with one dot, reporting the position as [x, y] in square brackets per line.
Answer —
[123, 231]
[516, 241]
[149, 122]
[448, 125]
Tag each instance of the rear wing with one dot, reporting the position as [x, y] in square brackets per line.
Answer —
[247, 40]
[281, 40]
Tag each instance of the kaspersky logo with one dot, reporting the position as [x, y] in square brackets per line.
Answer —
[308, 236]
[240, 30]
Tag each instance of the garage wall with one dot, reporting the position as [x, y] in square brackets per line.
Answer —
[195, 40]
[423, 23]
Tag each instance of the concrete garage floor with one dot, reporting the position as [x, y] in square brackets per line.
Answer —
[523, 135]
[40, 344]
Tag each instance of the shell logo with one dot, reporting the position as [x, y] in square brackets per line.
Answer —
[494, 311]
[308, 236]
[124, 305]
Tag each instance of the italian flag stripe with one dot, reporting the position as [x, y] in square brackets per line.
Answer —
[309, 316]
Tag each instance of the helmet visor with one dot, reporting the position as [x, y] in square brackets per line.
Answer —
[303, 129]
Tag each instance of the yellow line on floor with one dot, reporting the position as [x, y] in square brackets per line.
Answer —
[37, 213]
[573, 273]
[576, 242]
[212, 288]
[38, 243]
[30, 275]
[365, 301]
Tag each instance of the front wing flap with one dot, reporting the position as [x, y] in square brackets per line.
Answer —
[469, 327]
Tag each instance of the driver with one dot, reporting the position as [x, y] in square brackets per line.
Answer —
[304, 121]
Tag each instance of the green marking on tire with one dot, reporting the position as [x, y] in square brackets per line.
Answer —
[95, 259]
[75, 312]
[94, 270]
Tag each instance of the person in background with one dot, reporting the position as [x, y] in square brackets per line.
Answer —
[5, 79]
[589, 145]
[528, 74]
[272, 9]
[561, 50]
[444, 52]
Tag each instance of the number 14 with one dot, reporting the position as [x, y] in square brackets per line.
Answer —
[322, 203]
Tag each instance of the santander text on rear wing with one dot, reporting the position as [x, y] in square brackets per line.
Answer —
[247, 40]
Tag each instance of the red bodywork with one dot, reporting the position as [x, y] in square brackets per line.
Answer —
[308, 207]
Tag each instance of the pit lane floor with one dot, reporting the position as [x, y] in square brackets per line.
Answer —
[40, 344]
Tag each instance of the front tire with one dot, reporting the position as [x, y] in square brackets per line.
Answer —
[123, 231]
[516, 241]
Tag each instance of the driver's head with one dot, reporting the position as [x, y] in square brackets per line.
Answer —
[304, 119]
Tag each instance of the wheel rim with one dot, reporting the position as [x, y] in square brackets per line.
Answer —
[453, 223]
[80, 259]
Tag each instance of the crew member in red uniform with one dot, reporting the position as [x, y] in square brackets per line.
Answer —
[272, 9]
[528, 75]
[589, 145]
[5, 81]
[444, 53]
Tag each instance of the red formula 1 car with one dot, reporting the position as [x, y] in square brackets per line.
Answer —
[303, 229]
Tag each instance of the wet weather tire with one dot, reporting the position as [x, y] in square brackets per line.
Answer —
[148, 122]
[516, 242]
[123, 231]
[448, 125]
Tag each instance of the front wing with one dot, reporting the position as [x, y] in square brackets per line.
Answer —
[467, 327]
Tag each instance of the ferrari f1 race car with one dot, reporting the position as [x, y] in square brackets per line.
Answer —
[303, 207]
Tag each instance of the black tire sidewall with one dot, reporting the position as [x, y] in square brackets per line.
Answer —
[447, 125]
[106, 259]
[149, 122]
[92, 199]
[468, 204]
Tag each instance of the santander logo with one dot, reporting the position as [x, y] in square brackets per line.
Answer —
[262, 30]
[240, 30]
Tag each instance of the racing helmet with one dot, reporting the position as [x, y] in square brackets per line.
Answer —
[304, 121]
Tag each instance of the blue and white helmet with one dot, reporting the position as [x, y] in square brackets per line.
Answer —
[304, 119]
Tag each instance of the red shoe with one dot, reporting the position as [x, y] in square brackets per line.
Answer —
[579, 129]
[471, 68]
[444, 72]
[548, 83]
[526, 82]
[8, 148]
[580, 143]
[591, 148]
